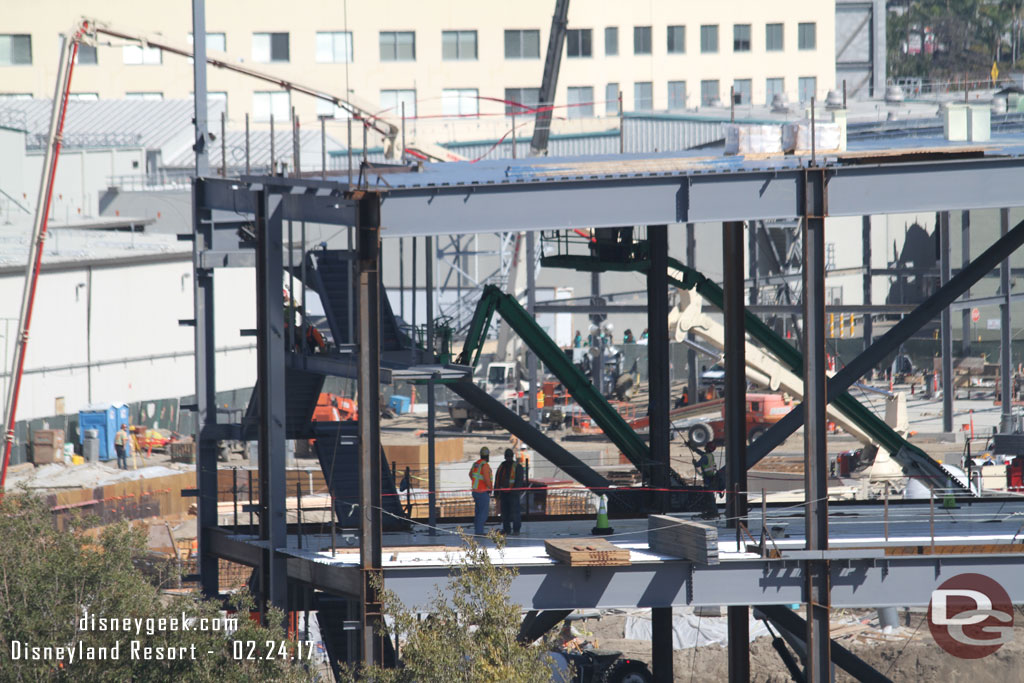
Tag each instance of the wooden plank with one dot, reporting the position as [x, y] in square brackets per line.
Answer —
[586, 552]
[681, 538]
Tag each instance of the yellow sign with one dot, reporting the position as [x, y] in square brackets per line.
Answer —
[994, 72]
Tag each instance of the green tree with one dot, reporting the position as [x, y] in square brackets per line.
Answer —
[469, 637]
[49, 578]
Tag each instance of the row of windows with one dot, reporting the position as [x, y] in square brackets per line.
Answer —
[400, 46]
[518, 101]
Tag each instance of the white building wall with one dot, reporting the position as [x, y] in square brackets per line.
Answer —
[82, 177]
[135, 313]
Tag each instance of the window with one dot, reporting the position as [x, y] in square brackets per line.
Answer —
[216, 102]
[641, 40]
[15, 49]
[581, 102]
[643, 96]
[391, 102]
[709, 38]
[267, 104]
[270, 47]
[611, 41]
[397, 46]
[136, 54]
[611, 99]
[458, 102]
[708, 93]
[741, 89]
[15, 96]
[773, 41]
[773, 87]
[807, 36]
[214, 41]
[577, 43]
[676, 95]
[741, 38]
[84, 96]
[529, 98]
[150, 96]
[329, 110]
[676, 40]
[458, 45]
[334, 47]
[522, 44]
[807, 87]
[86, 54]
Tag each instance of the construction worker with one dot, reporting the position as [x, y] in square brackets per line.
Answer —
[480, 485]
[628, 338]
[577, 341]
[508, 488]
[708, 472]
[120, 447]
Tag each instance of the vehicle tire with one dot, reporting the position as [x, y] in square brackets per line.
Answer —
[700, 435]
[460, 424]
[628, 671]
[755, 434]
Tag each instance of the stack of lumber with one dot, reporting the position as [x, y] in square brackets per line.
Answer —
[680, 538]
[586, 552]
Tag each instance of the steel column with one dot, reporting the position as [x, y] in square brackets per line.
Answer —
[752, 264]
[531, 303]
[428, 249]
[735, 428]
[946, 326]
[692, 387]
[661, 644]
[270, 354]
[815, 448]
[866, 254]
[368, 244]
[206, 391]
[659, 387]
[596, 360]
[1005, 336]
[965, 259]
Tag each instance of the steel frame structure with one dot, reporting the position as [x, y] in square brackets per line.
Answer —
[562, 194]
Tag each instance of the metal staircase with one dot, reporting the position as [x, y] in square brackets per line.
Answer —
[339, 461]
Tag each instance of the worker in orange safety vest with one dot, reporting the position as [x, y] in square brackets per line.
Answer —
[480, 484]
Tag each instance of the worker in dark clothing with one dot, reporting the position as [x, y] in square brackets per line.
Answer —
[508, 487]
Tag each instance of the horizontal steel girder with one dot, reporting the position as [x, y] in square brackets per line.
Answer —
[867, 189]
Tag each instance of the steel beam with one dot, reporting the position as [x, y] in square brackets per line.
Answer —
[270, 356]
[368, 245]
[891, 340]
[576, 194]
[898, 580]
[818, 665]
[946, 325]
[865, 227]
[787, 619]
[659, 387]
[428, 251]
[691, 355]
[735, 429]
[536, 624]
[965, 259]
[531, 308]
[206, 393]
[200, 113]
[1005, 335]
[661, 644]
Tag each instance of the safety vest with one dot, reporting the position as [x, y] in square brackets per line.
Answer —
[120, 438]
[707, 469]
[480, 476]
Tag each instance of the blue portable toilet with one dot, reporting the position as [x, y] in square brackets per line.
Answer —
[106, 418]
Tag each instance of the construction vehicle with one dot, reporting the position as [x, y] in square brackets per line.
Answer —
[763, 410]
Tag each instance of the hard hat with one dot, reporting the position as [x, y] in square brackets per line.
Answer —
[485, 452]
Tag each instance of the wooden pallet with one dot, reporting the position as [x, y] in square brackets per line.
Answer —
[680, 538]
[586, 552]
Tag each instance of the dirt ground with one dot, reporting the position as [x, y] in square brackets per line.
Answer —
[909, 655]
